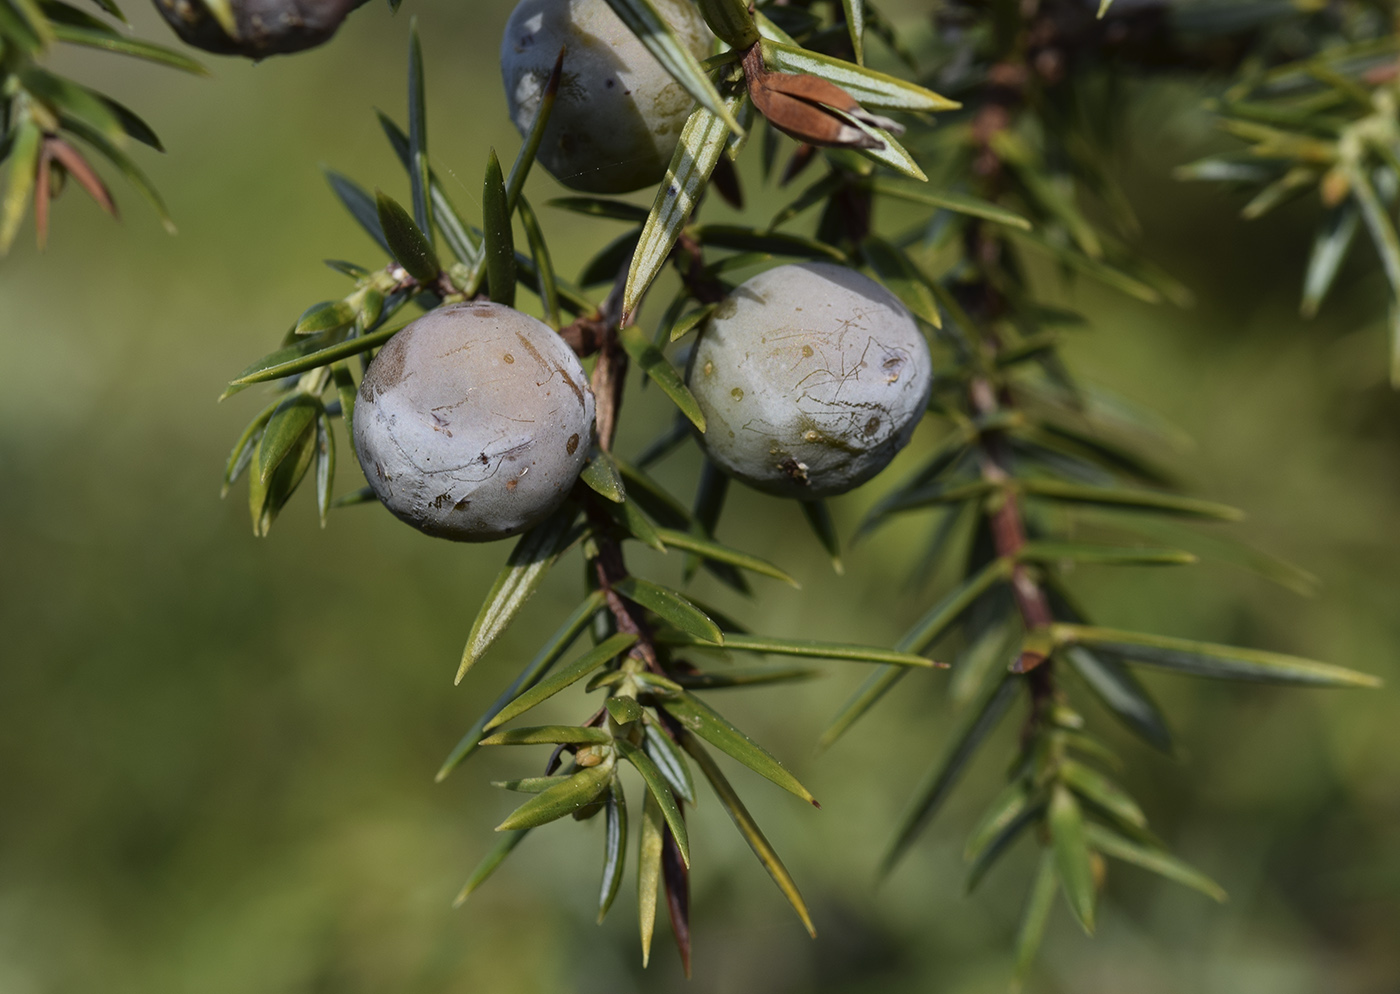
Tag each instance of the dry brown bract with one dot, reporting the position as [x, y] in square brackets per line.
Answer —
[57, 160]
[809, 109]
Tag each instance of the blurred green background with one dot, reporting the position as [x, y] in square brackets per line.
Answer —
[216, 753]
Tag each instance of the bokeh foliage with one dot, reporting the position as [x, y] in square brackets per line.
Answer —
[219, 786]
[47, 119]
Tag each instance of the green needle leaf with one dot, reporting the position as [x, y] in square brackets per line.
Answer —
[652, 496]
[1330, 248]
[500, 239]
[871, 88]
[1010, 804]
[18, 35]
[731, 22]
[687, 323]
[1091, 445]
[525, 570]
[710, 494]
[1206, 659]
[464, 240]
[668, 759]
[325, 465]
[701, 144]
[1072, 858]
[1126, 498]
[122, 45]
[623, 710]
[948, 200]
[742, 676]
[312, 354]
[547, 282]
[607, 650]
[565, 798]
[749, 829]
[1227, 550]
[817, 193]
[601, 475]
[997, 833]
[241, 455]
[630, 518]
[531, 785]
[659, 368]
[267, 498]
[660, 790]
[407, 242]
[289, 424]
[741, 239]
[1163, 864]
[874, 687]
[1387, 243]
[675, 539]
[649, 871]
[935, 494]
[36, 25]
[672, 607]
[605, 264]
[1122, 694]
[549, 735]
[976, 725]
[614, 210]
[110, 7]
[823, 526]
[1096, 788]
[992, 639]
[1096, 269]
[548, 655]
[699, 718]
[899, 274]
[935, 624]
[855, 26]
[418, 133]
[365, 495]
[889, 151]
[488, 865]
[330, 315]
[1035, 916]
[808, 649]
[570, 298]
[23, 161]
[614, 848]
[360, 205]
[346, 390]
[1104, 555]
[222, 12]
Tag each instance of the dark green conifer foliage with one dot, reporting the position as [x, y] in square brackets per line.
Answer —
[990, 147]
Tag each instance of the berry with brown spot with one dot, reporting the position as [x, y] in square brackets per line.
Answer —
[473, 422]
[811, 377]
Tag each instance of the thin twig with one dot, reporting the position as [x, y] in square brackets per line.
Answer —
[609, 381]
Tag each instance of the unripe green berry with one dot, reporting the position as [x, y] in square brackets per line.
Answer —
[811, 377]
[264, 27]
[619, 113]
[473, 422]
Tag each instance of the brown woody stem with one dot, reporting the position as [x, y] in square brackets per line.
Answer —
[1007, 522]
[1009, 536]
[609, 380]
